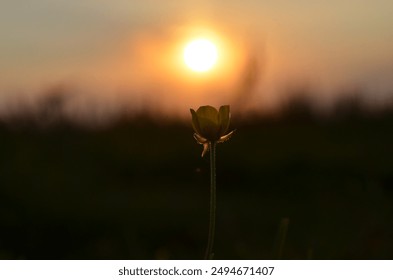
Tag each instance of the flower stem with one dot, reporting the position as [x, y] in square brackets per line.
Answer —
[212, 222]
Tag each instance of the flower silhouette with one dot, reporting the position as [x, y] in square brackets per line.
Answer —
[211, 125]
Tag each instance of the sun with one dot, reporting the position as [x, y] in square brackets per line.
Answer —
[200, 55]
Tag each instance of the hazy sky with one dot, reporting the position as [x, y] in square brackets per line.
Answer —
[124, 44]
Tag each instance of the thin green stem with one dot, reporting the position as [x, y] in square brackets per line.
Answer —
[282, 236]
[212, 222]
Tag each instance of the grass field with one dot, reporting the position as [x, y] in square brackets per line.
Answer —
[139, 190]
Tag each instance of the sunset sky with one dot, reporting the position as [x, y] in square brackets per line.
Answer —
[125, 50]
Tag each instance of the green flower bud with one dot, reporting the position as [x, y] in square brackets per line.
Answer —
[211, 125]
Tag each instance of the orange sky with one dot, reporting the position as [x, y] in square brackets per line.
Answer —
[129, 52]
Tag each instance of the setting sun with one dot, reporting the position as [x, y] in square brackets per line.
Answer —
[200, 55]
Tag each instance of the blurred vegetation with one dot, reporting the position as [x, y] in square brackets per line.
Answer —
[138, 189]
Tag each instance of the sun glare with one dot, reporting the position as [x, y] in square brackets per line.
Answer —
[200, 55]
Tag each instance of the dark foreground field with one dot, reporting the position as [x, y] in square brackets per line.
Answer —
[139, 190]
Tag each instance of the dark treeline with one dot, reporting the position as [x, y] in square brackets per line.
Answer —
[137, 188]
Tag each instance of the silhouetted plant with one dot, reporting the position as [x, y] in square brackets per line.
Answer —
[210, 128]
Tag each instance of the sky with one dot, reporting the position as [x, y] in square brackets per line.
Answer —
[128, 53]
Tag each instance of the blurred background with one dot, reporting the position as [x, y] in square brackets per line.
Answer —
[97, 158]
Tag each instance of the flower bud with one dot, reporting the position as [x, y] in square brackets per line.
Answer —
[211, 125]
